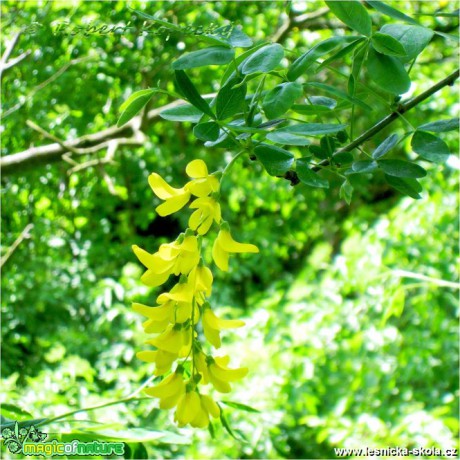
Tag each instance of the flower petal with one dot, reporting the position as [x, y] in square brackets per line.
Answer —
[220, 256]
[218, 323]
[210, 405]
[227, 375]
[169, 403]
[151, 279]
[201, 420]
[219, 385]
[173, 204]
[212, 334]
[200, 363]
[196, 169]
[230, 245]
[167, 387]
[145, 258]
[188, 408]
[170, 340]
[161, 188]
[203, 187]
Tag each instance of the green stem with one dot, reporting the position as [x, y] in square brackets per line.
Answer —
[230, 164]
[87, 409]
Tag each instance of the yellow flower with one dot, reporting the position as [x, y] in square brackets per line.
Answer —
[195, 409]
[175, 339]
[178, 257]
[200, 278]
[180, 302]
[207, 210]
[159, 317]
[163, 359]
[169, 390]
[201, 366]
[213, 324]
[225, 244]
[175, 198]
[187, 408]
[220, 375]
[207, 407]
[202, 184]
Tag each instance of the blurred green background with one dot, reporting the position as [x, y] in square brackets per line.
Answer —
[347, 345]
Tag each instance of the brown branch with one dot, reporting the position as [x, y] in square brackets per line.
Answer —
[35, 156]
[383, 123]
[307, 20]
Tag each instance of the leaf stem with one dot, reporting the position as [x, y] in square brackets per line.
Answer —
[87, 409]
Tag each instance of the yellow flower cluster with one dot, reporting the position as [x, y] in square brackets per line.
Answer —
[176, 316]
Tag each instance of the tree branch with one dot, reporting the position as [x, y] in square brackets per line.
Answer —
[383, 123]
[35, 156]
[39, 87]
[307, 20]
[24, 234]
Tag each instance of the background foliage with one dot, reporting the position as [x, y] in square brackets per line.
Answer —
[347, 345]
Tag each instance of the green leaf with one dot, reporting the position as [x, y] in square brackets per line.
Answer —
[429, 147]
[215, 55]
[396, 306]
[188, 90]
[230, 99]
[14, 412]
[227, 427]
[413, 38]
[301, 64]
[280, 99]
[184, 112]
[401, 168]
[341, 53]
[309, 177]
[230, 71]
[212, 430]
[387, 72]
[340, 94]
[165, 24]
[406, 186]
[136, 451]
[287, 138]
[346, 192]
[385, 146]
[134, 104]
[363, 166]
[388, 45]
[240, 406]
[441, 126]
[238, 39]
[324, 101]
[390, 11]
[208, 131]
[22, 424]
[263, 60]
[310, 109]
[313, 129]
[353, 14]
[275, 160]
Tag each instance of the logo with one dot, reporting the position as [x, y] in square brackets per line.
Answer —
[30, 441]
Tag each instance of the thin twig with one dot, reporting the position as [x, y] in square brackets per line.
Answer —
[429, 279]
[45, 83]
[24, 234]
[52, 137]
[9, 49]
[383, 123]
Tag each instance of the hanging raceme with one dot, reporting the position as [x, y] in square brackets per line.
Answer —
[176, 317]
